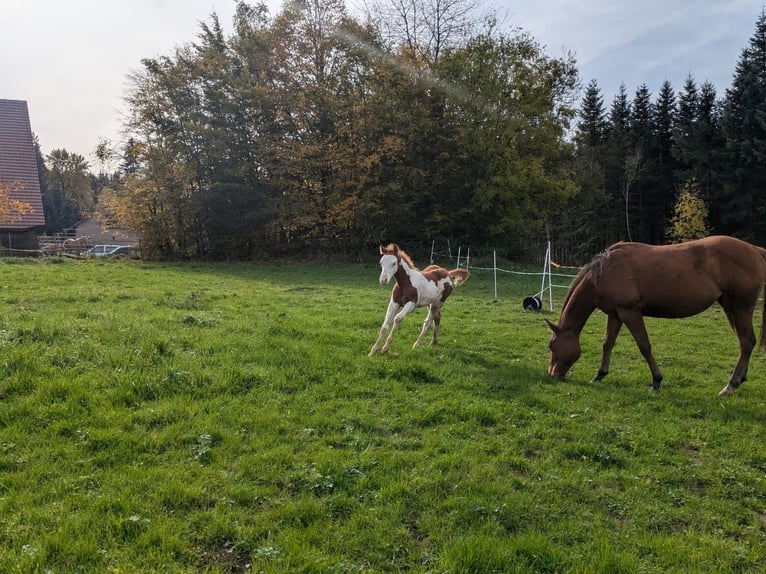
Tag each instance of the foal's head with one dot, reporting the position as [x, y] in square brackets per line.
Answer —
[565, 350]
[389, 262]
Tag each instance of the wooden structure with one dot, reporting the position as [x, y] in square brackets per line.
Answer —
[18, 169]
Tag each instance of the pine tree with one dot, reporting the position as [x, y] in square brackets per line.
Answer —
[660, 191]
[587, 213]
[638, 164]
[685, 129]
[591, 129]
[615, 156]
[744, 129]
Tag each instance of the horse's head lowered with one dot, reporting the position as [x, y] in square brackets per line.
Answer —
[389, 262]
[565, 350]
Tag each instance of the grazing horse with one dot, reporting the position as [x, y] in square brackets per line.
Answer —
[631, 280]
[413, 289]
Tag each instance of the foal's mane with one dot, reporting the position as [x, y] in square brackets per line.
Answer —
[595, 268]
[394, 249]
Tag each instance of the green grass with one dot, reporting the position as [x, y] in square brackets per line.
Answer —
[226, 418]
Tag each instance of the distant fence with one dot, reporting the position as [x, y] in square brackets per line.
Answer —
[549, 279]
[59, 245]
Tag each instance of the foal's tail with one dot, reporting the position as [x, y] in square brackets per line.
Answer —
[459, 276]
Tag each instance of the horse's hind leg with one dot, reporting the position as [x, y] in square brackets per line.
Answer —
[741, 321]
[426, 324]
[613, 326]
[390, 312]
[437, 321]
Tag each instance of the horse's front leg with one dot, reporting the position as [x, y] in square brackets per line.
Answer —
[613, 326]
[635, 323]
[406, 310]
[390, 312]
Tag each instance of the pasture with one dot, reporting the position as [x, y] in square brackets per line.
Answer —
[226, 418]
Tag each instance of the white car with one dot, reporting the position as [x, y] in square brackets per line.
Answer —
[107, 251]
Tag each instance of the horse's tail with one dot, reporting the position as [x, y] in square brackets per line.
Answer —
[762, 345]
[459, 276]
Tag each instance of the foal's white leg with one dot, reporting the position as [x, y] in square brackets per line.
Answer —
[406, 310]
[426, 325]
[390, 312]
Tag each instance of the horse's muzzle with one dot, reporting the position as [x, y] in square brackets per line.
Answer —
[560, 375]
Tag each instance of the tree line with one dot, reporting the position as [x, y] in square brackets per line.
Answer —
[317, 131]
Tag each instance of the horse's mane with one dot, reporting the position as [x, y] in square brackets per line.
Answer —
[595, 268]
[393, 248]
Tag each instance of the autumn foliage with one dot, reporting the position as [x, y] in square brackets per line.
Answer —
[11, 210]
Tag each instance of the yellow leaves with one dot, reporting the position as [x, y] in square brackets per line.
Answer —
[11, 210]
[690, 216]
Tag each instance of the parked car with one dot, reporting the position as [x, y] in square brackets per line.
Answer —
[107, 251]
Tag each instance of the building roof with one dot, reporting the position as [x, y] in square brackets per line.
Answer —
[18, 162]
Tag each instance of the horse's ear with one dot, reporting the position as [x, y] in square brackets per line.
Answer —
[553, 327]
[381, 250]
[396, 247]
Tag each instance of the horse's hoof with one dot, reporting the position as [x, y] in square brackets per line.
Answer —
[600, 375]
[726, 391]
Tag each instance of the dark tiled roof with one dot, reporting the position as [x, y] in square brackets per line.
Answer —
[18, 164]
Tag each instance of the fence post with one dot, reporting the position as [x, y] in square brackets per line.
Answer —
[494, 270]
[550, 277]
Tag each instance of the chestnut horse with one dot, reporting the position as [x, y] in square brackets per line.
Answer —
[413, 289]
[631, 280]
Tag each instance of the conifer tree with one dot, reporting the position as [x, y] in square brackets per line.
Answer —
[583, 224]
[744, 128]
[615, 156]
[685, 128]
[660, 190]
[591, 129]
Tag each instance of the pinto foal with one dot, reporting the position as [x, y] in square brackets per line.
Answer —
[414, 288]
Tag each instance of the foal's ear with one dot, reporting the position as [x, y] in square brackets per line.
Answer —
[553, 327]
[381, 250]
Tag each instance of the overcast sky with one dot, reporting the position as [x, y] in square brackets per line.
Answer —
[70, 59]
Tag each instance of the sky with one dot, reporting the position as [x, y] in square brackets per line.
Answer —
[71, 59]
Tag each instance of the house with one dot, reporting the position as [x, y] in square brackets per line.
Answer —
[94, 231]
[18, 169]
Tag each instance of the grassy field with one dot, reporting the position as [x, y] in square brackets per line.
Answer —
[226, 418]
